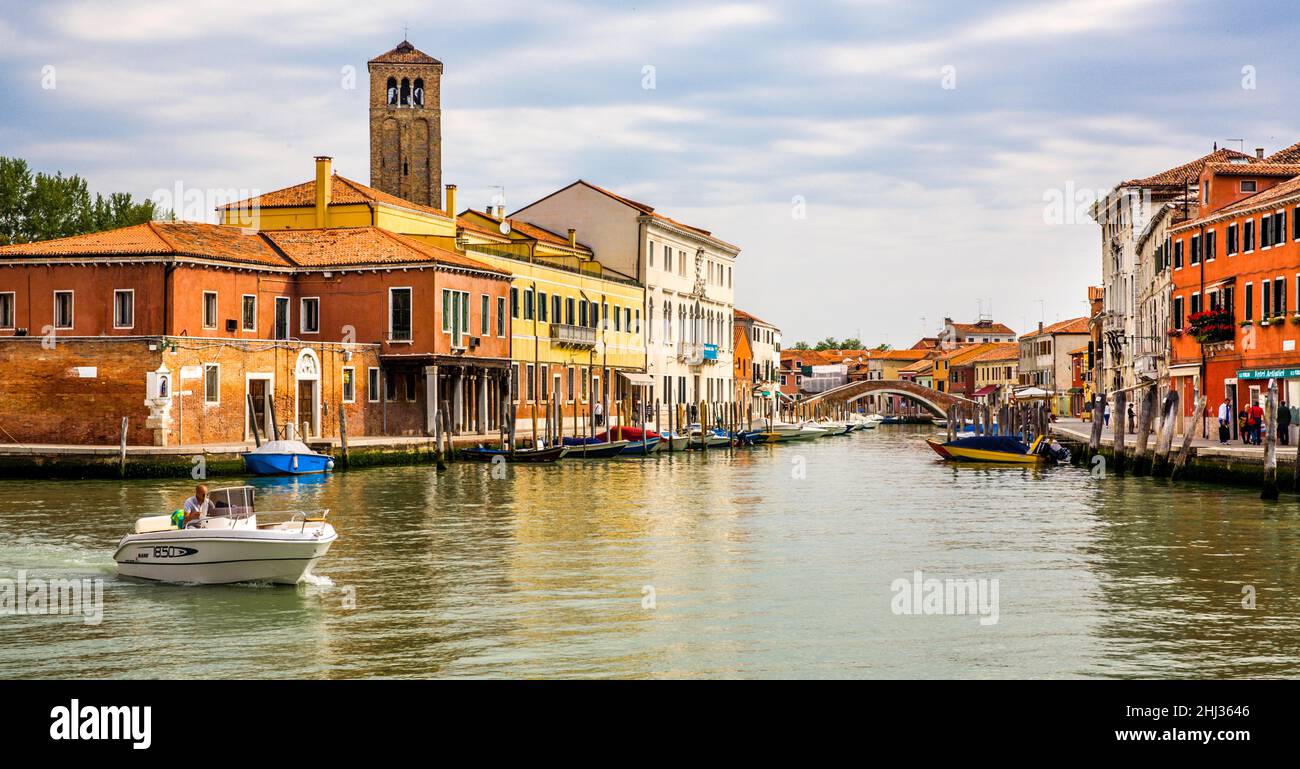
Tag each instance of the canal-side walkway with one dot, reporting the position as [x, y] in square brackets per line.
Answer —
[1081, 431]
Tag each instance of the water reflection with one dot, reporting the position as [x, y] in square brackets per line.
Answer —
[775, 561]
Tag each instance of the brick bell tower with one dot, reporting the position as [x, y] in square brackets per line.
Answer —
[406, 125]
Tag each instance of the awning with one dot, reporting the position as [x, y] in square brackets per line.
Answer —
[1185, 369]
[985, 390]
[641, 380]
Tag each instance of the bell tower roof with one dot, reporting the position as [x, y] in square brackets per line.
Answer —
[405, 53]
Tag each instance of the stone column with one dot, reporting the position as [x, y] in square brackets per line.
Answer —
[458, 401]
[430, 399]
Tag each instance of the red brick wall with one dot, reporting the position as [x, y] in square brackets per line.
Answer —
[43, 401]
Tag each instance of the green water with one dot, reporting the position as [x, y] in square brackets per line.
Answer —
[769, 562]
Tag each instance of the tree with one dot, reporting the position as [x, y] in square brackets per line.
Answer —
[800, 346]
[42, 207]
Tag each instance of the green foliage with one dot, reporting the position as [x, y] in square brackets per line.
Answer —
[42, 207]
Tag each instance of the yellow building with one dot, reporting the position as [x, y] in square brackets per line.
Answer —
[577, 325]
[996, 371]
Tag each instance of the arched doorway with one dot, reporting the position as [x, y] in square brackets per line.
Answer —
[306, 374]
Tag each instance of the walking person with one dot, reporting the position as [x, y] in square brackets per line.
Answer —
[598, 413]
[1255, 422]
[1132, 419]
[1106, 414]
[1225, 414]
[1283, 423]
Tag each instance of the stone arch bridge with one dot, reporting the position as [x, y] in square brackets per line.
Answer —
[934, 401]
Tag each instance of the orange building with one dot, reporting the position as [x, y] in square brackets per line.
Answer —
[1236, 274]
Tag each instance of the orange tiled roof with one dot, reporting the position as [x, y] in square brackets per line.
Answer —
[1182, 175]
[343, 191]
[1078, 350]
[1071, 326]
[314, 249]
[919, 366]
[1259, 168]
[648, 210]
[962, 352]
[998, 351]
[1269, 197]
[909, 354]
[741, 315]
[356, 246]
[212, 241]
[1286, 155]
[996, 329]
[404, 53]
[527, 229]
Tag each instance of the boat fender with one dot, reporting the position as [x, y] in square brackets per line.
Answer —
[178, 518]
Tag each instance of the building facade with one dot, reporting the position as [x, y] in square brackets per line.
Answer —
[1045, 360]
[406, 125]
[688, 276]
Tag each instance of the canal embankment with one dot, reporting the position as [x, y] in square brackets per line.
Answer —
[1207, 460]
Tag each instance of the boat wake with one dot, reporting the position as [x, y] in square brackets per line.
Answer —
[317, 580]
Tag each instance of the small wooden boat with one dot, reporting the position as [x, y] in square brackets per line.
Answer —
[673, 443]
[640, 448]
[593, 448]
[1000, 448]
[530, 456]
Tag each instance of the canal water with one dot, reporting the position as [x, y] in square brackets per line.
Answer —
[796, 560]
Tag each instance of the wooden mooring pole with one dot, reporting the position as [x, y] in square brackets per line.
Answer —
[1165, 440]
[1270, 443]
[121, 451]
[1141, 462]
[1121, 426]
[1188, 434]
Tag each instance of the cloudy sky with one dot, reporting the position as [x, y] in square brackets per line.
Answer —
[881, 162]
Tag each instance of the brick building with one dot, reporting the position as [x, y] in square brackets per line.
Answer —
[252, 330]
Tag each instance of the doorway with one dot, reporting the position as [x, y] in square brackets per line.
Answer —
[307, 409]
[258, 387]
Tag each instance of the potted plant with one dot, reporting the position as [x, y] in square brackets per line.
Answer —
[1211, 326]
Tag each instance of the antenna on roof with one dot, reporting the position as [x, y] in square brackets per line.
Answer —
[405, 31]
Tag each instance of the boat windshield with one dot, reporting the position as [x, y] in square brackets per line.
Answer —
[236, 502]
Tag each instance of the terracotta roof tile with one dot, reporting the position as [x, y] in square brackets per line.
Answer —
[527, 229]
[741, 315]
[1182, 175]
[343, 191]
[999, 351]
[404, 53]
[1071, 326]
[211, 241]
[996, 329]
[1286, 155]
[648, 210]
[357, 246]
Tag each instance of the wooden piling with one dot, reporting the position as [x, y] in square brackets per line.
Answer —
[1270, 443]
[1141, 462]
[121, 451]
[1098, 420]
[1121, 428]
[343, 437]
[1188, 433]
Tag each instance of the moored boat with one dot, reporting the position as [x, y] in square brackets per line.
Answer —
[593, 448]
[641, 447]
[529, 456]
[1000, 448]
[286, 458]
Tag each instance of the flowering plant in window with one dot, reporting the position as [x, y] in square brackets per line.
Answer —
[1210, 326]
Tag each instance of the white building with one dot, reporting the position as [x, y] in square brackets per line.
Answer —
[689, 279]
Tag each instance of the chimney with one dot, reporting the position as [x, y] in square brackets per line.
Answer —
[451, 200]
[573, 238]
[1259, 152]
[324, 182]
[501, 211]
[1040, 327]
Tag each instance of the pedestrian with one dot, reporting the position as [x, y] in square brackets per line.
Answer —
[598, 412]
[1106, 414]
[1283, 423]
[1225, 414]
[1242, 431]
[1255, 422]
[1132, 419]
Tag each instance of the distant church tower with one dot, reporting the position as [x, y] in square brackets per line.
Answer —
[406, 125]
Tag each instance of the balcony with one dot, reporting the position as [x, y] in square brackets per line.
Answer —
[564, 335]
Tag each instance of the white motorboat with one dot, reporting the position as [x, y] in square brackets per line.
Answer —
[777, 432]
[679, 443]
[836, 428]
[227, 544]
[715, 438]
[808, 431]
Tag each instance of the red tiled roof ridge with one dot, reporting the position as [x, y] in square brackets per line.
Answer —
[1071, 326]
[1182, 174]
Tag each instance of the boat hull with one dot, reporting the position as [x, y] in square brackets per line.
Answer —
[966, 454]
[224, 556]
[597, 450]
[641, 448]
[287, 464]
[526, 456]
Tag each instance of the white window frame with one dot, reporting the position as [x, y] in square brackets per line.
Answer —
[374, 385]
[343, 384]
[1241, 185]
[72, 309]
[117, 291]
[216, 310]
[13, 309]
[302, 314]
[243, 314]
[207, 402]
[411, 291]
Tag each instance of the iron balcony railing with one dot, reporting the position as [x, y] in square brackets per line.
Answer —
[573, 336]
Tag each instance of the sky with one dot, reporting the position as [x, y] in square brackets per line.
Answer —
[882, 163]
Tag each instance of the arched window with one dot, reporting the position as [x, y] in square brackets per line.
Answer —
[406, 92]
[418, 95]
[392, 90]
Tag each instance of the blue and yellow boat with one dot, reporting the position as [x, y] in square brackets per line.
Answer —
[1000, 448]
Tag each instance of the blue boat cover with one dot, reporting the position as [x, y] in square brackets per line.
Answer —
[1007, 444]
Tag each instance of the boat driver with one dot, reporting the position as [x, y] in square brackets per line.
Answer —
[197, 506]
